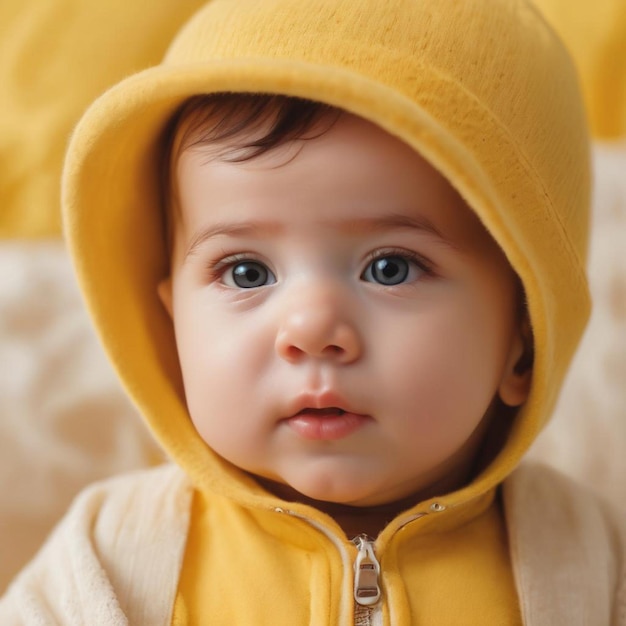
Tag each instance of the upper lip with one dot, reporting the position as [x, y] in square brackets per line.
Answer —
[319, 400]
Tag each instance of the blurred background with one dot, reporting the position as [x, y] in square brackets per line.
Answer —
[64, 420]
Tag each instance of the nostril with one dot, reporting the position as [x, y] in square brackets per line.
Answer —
[293, 352]
[334, 349]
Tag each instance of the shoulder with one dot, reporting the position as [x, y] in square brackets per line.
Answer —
[568, 548]
[158, 498]
[113, 559]
[158, 488]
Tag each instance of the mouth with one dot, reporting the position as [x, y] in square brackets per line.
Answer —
[329, 423]
[324, 412]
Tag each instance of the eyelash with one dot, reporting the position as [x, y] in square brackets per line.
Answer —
[424, 264]
[217, 269]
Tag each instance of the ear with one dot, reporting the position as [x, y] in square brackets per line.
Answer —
[164, 290]
[515, 384]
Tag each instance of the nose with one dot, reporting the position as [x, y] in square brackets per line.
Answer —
[315, 327]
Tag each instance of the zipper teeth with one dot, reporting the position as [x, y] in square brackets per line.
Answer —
[362, 615]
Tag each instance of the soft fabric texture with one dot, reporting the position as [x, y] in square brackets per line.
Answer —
[114, 559]
[56, 56]
[595, 35]
[64, 421]
[499, 115]
[99, 553]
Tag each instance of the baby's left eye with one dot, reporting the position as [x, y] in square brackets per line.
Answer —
[392, 269]
[248, 274]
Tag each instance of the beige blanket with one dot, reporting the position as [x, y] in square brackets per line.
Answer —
[65, 422]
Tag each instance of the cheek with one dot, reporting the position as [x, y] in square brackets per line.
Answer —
[222, 359]
[444, 365]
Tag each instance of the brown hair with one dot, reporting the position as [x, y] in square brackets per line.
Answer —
[246, 124]
[262, 121]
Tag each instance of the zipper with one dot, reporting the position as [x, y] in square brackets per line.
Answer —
[366, 572]
[367, 591]
[366, 581]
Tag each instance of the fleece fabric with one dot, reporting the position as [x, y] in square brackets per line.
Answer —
[486, 92]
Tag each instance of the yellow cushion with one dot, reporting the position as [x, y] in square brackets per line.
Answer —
[55, 58]
[595, 33]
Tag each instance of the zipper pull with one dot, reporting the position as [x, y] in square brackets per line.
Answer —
[366, 572]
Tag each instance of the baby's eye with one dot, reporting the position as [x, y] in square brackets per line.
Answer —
[391, 269]
[248, 275]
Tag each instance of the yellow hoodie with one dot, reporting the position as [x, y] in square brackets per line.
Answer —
[485, 91]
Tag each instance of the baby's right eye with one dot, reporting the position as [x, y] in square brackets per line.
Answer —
[248, 275]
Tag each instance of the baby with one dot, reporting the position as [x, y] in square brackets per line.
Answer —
[335, 251]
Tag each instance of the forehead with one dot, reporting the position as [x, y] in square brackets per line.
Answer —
[353, 169]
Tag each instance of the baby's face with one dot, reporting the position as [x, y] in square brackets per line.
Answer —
[343, 320]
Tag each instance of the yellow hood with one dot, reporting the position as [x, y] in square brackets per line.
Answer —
[481, 88]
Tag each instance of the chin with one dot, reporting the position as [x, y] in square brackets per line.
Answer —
[341, 484]
[335, 492]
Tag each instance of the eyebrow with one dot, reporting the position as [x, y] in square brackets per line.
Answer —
[350, 226]
[232, 229]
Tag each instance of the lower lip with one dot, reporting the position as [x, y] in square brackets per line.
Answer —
[326, 427]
